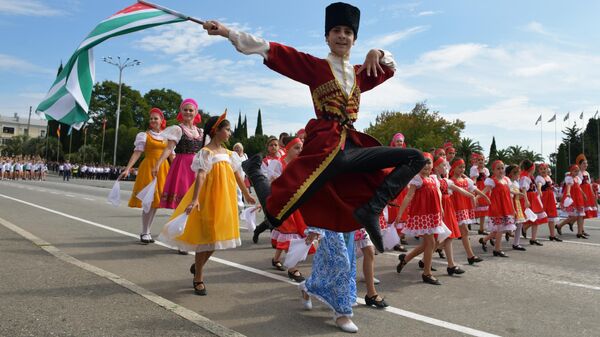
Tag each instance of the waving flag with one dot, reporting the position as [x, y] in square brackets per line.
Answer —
[566, 117]
[538, 120]
[581, 116]
[69, 97]
[552, 119]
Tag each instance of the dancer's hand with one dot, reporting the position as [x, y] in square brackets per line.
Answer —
[191, 206]
[371, 63]
[154, 171]
[123, 174]
[216, 28]
[249, 198]
[312, 236]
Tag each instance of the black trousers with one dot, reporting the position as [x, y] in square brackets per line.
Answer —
[406, 163]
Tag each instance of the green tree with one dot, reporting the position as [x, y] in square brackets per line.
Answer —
[259, 128]
[166, 100]
[466, 147]
[255, 144]
[14, 146]
[88, 154]
[422, 128]
[244, 134]
[493, 151]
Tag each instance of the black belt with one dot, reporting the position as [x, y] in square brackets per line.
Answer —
[343, 121]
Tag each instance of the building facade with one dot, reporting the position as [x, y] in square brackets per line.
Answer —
[17, 126]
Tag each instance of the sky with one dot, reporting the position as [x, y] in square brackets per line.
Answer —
[496, 65]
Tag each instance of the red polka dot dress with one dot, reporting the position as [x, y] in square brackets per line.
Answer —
[591, 206]
[480, 175]
[535, 202]
[501, 216]
[425, 212]
[577, 207]
[463, 205]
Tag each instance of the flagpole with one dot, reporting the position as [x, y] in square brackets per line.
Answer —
[70, 141]
[582, 135]
[103, 132]
[541, 136]
[556, 149]
[58, 144]
[170, 11]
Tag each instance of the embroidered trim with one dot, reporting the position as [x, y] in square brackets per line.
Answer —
[311, 178]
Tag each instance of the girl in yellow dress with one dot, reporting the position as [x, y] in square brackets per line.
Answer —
[151, 143]
[211, 202]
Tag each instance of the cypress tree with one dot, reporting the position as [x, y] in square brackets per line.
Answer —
[259, 129]
[244, 132]
[493, 151]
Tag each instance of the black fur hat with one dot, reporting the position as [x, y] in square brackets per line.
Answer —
[342, 14]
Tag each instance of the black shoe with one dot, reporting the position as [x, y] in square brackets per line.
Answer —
[469, 226]
[372, 301]
[483, 244]
[584, 233]
[500, 254]
[507, 236]
[144, 241]
[554, 238]
[480, 232]
[403, 242]
[400, 248]
[277, 265]
[296, 276]
[492, 242]
[441, 253]
[524, 233]
[422, 265]
[402, 263]
[558, 229]
[182, 252]
[454, 270]
[519, 247]
[255, 236]
[474, 259]
[370, 222]
[193, 269]
[535, 242]
[571, 227]
[200, 292]
[429, 279]
[581, 236]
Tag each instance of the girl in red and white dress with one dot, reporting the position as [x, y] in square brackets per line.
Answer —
[513, 172]
[424, 218]
[531, 200]
[364, 247]
[448, 188]
[394, 205]
[294, 226]
[464, 206]
[548, 199]
[591, 206]
[479, 173]
[573, 202]
[501, 217]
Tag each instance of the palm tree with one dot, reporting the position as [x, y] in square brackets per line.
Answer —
[466, 147]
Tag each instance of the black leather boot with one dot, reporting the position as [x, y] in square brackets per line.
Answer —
[261, 184]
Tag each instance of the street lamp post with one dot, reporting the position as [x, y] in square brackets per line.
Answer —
[121, 64]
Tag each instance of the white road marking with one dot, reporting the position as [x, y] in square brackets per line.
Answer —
[69, 195]
[396, 311]
[192, 316]
[580, 285]
[90, 199]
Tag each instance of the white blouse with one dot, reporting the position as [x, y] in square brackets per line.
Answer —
[174, 133]
[205, 159]
[140, 139]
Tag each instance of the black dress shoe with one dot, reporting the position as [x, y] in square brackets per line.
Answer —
[277, 265]
[429, 279]
[524, 233]
[581, 236]
[193, 269]
[370, 222]
[507, 236]
[454, 270]
[584, 233]
[469, 226]
[182, 252]
[500, 254]
[296, 276]
[200, 292]
[519, 247]
[474, 259]
[255, 236]
[558, 229]
[372, 301]
[422, 265]
[480, 232]
[144, 240]
[400, 248]
[403, 242]
[402, 263]
[441, 253]
[492, 242]
[535, 242]
[571, 227]
[554, 238]
[483, 244]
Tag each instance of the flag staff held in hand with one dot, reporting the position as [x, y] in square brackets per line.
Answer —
[170, 11]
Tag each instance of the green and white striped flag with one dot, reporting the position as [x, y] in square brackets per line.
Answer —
[69, 97]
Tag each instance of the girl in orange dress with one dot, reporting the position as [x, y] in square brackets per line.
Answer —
[151, 143]
[425, 218]
[501, 217]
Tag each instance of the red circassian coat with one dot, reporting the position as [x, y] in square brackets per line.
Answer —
[332, 206]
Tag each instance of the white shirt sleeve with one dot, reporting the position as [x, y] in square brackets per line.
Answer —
[249, 44]
[525, 183]
[569, 180]
[470, 185]
[140, 142]
[173, 133]
[202, 161]
[416, 181]
[490, 182]
[388, 60]
[236, 162]
[540, 180]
